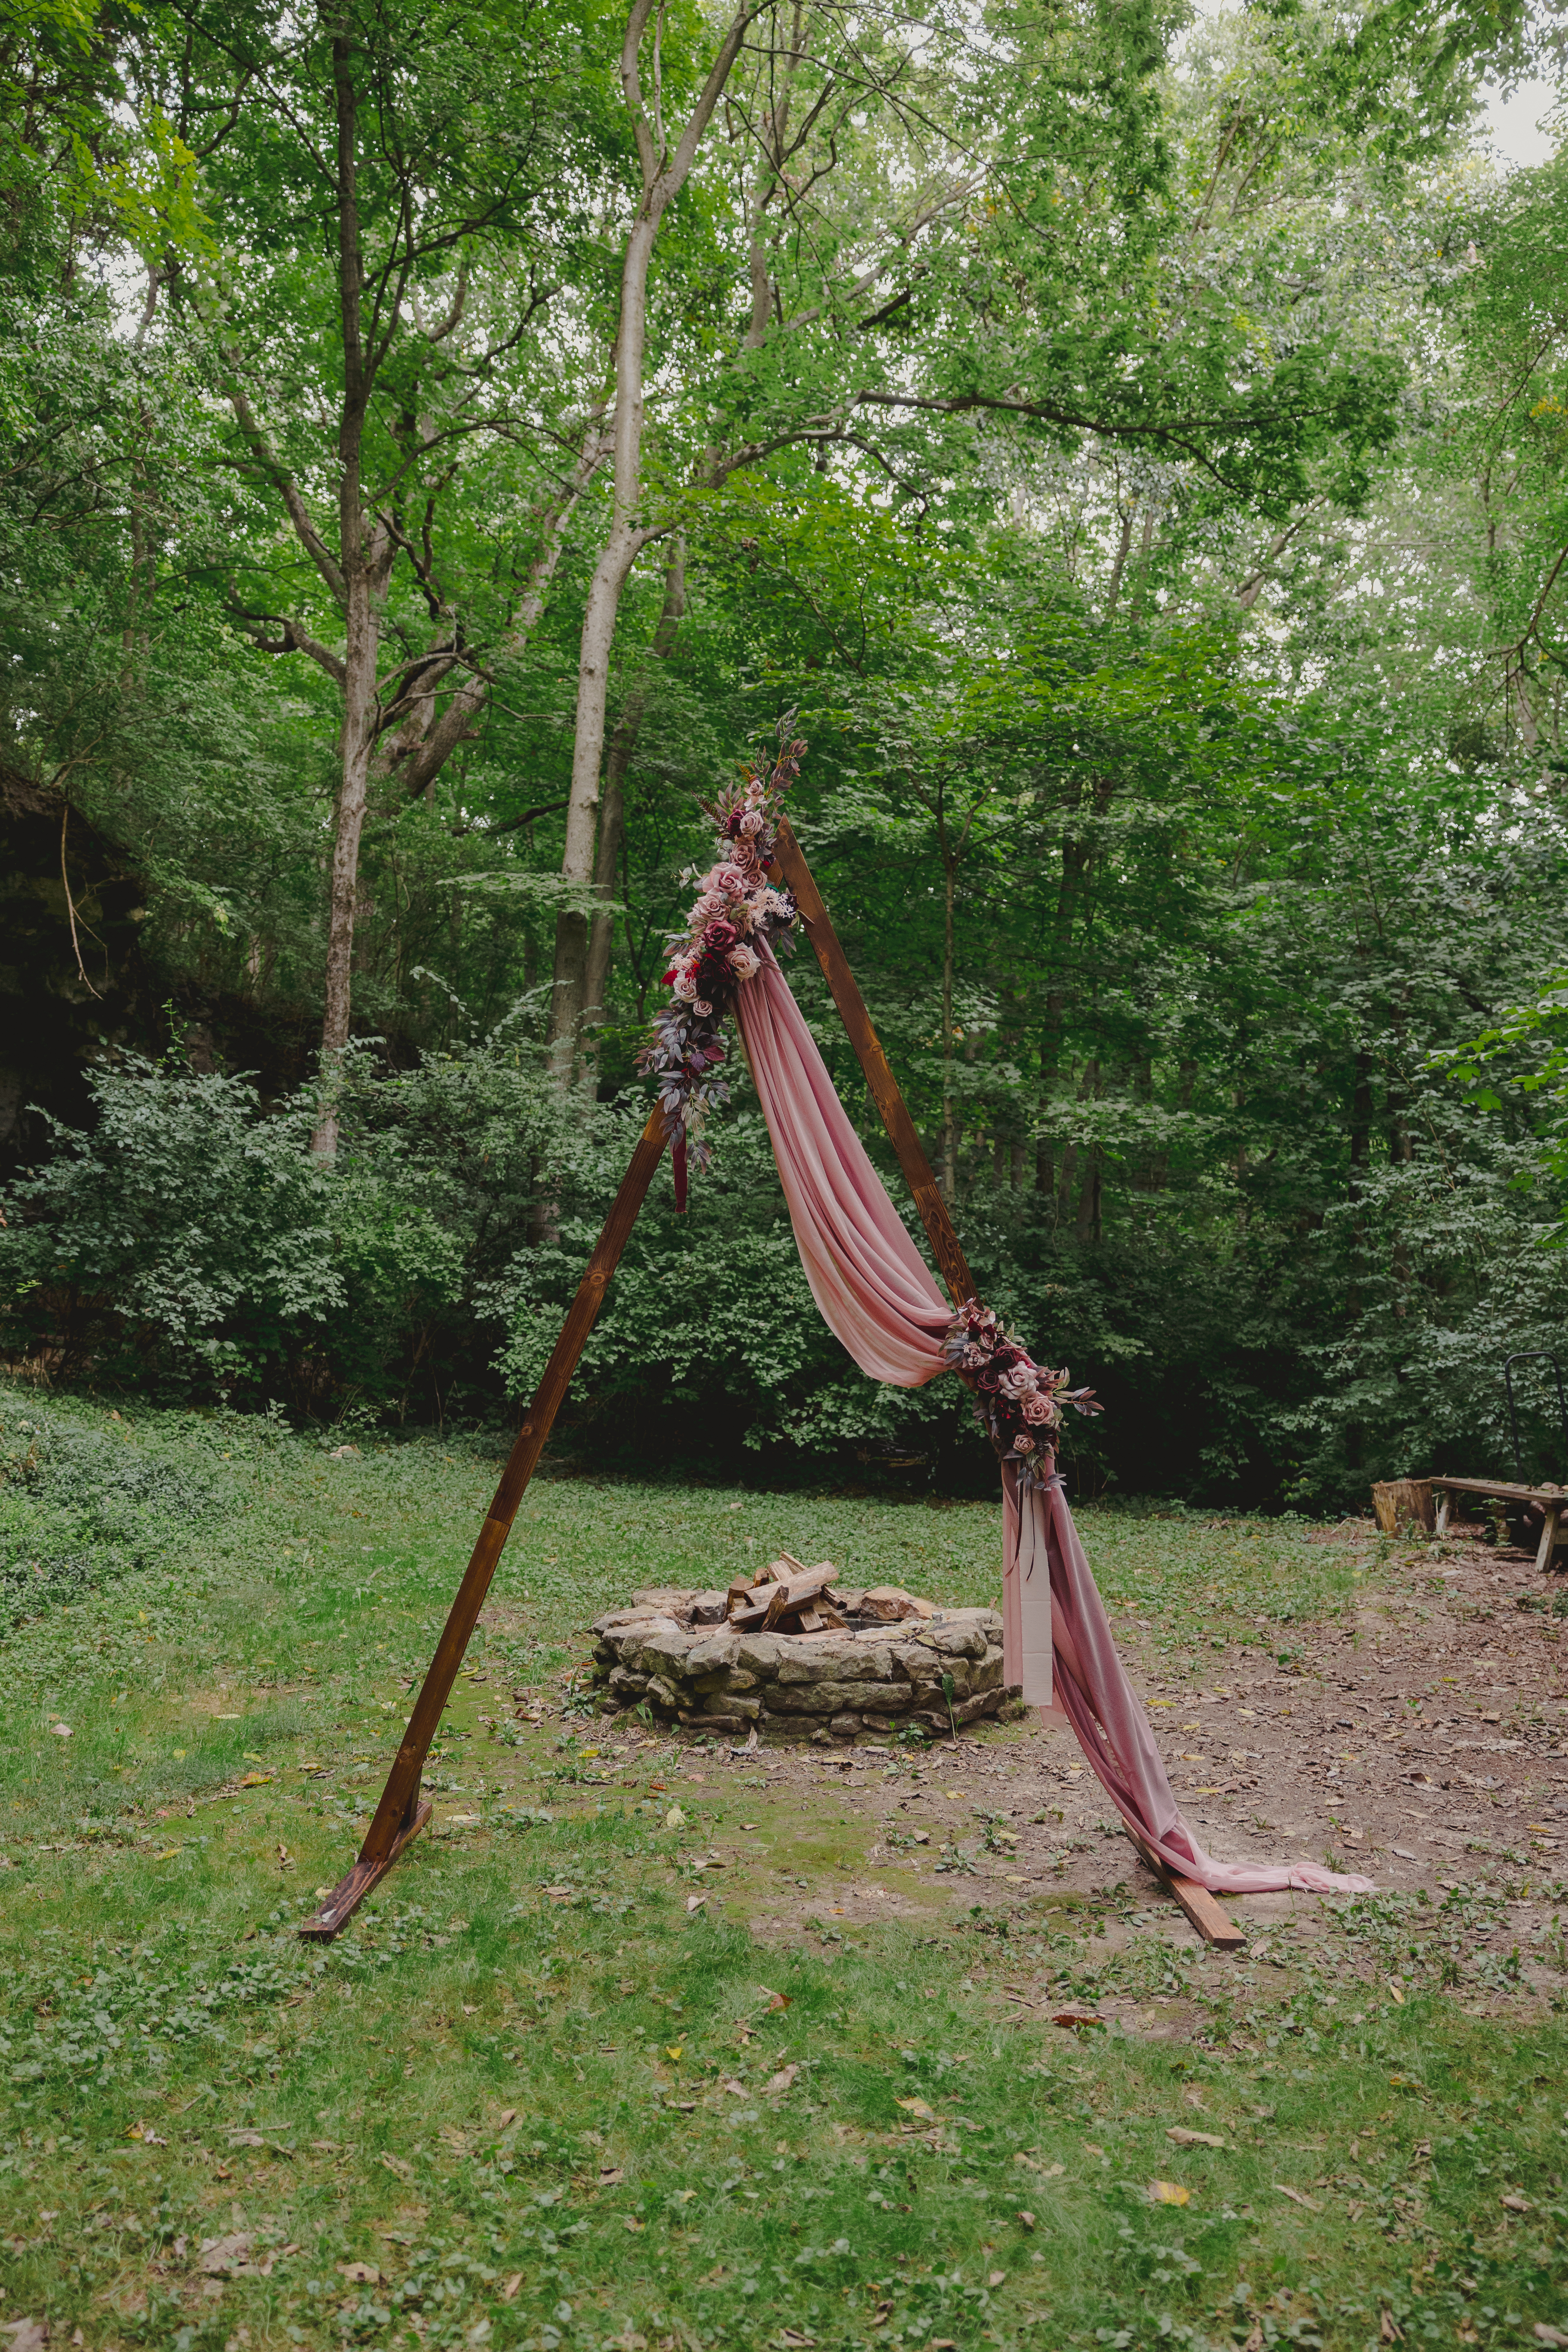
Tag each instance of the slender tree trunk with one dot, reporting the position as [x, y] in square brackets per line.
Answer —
[612, 807]
[1088, 1224]
[664, 173]
[949, 1110]
[1118, 565]
[364, 555]
[1074, 859]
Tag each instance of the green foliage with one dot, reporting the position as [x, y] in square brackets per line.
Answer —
[79, 1504]
[523, 2042]
[1145, 476]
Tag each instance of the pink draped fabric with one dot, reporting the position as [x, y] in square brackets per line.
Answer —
[875, 1293]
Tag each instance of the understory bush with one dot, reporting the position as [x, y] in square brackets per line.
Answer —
[189, 1246]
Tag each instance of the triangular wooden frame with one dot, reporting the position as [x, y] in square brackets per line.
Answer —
[403, 1812]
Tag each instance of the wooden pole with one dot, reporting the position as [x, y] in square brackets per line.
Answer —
[792, 867]
[1205, 1914]
[401, 1815]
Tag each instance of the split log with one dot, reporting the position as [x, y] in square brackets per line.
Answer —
[767, 1603]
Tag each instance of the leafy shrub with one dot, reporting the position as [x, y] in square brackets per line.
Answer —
[80, 1505]
[182, 1243]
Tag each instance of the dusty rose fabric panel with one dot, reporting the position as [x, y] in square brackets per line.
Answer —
[1028, 1632]
[875, 1293]
[1114, 1733]
[866, 1273]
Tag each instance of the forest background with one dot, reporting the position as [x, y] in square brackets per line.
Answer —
[441, 436]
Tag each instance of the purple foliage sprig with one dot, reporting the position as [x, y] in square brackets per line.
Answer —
[736, 913]
[1017, 1402]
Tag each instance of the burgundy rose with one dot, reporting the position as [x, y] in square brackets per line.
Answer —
[719, 936]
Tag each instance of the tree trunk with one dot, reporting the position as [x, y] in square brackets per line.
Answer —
[613, 809]
[364, 558]
[664, 173]
[1087, 1224]
[949, 1113]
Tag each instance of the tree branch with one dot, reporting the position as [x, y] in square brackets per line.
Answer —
[282, 481]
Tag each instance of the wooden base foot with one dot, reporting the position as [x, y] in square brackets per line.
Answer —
[351, 1891]
[1213, 1922]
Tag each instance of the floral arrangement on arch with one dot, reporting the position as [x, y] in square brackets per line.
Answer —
[736, 914]
[1017, 1402]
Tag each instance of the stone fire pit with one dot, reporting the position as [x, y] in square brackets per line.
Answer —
[676, 1652]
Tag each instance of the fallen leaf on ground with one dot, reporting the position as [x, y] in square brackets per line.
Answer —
[1542, 2331]
[1185, 2138]
[696, 1902]
[507, 2116]
[32, 2335]
[1077, 2020]
[508, 2292]
[360, 2274]
[1296, 2196]
[996, 2278]
[1169, 2192]
[1026, 2220]
[634, 2224]
[786, 2076]
[400, 2165]
[1517, 2204]
[255, 1779]
[1397, 1990]
[674, 1818]
[916, 2107]
[230, 2253]
[1389, 2331]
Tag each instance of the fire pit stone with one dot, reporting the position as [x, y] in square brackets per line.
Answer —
[884, 1664]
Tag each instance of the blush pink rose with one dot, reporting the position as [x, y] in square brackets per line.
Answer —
[1036, 1408]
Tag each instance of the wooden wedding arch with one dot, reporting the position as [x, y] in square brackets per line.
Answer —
[403, 1812]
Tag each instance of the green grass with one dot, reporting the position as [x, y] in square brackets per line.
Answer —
[502, 2091]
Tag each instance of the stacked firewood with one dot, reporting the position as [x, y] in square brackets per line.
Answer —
[787, 1597]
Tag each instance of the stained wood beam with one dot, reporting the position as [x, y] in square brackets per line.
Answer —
[791, 867]
[1212, 1922]
[401, 1815]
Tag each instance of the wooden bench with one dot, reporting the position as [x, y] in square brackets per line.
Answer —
[1412, 1498]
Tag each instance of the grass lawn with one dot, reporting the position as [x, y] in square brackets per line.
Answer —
[606, 2061]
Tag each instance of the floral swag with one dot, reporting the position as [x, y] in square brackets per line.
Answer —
[736, 911]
